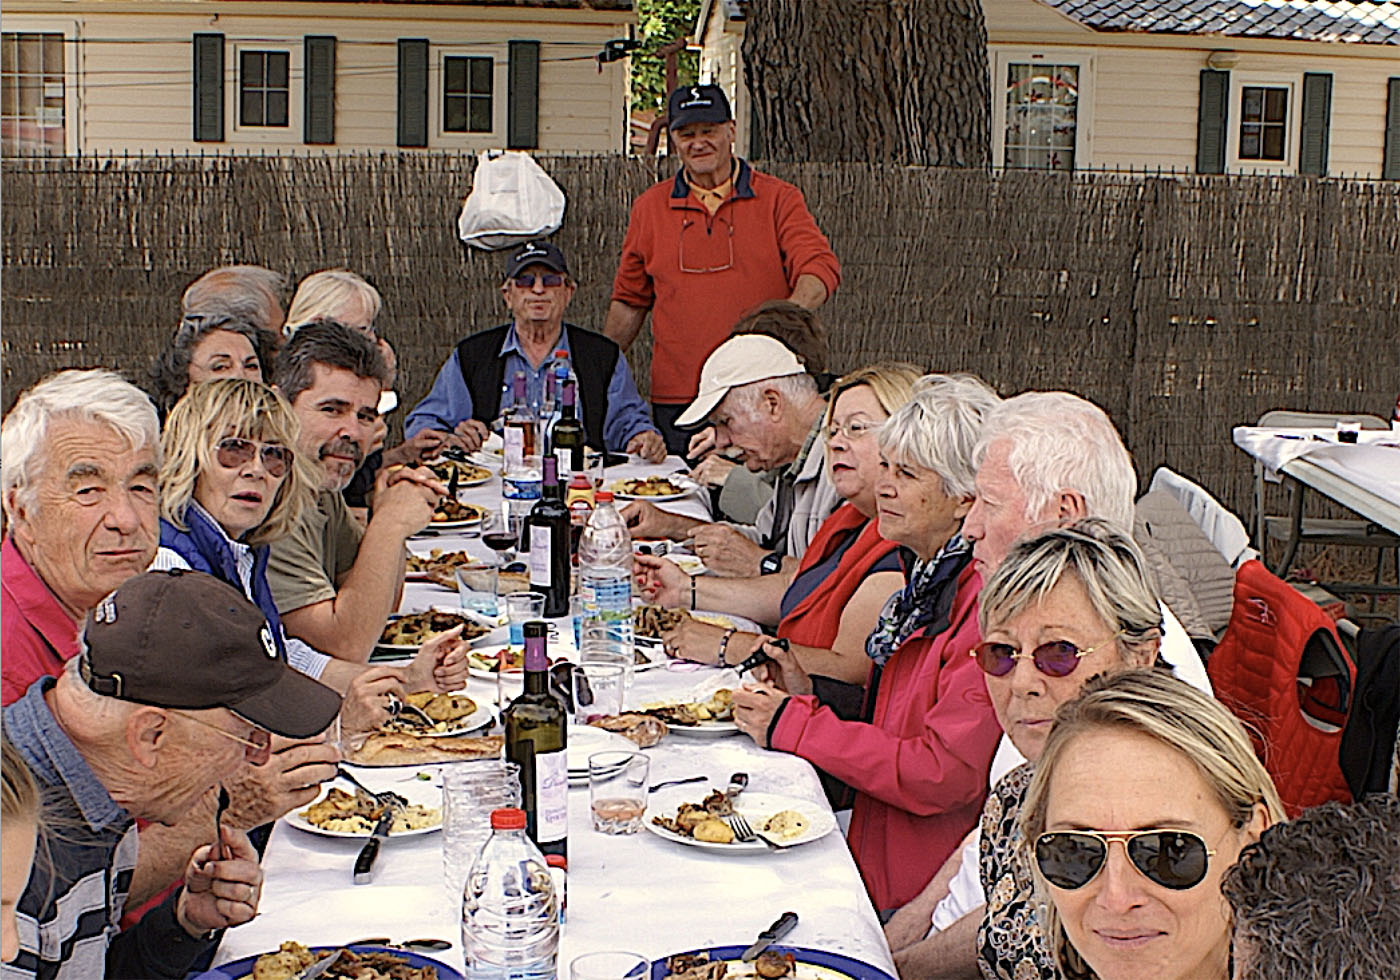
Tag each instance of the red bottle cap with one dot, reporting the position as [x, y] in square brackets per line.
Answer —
[557, 861]
[508, 818]
[603, 495]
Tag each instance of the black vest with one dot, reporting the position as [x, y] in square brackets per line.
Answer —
[593, 357]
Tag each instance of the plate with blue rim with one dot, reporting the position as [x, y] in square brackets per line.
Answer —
[239, 969]
[813, 964]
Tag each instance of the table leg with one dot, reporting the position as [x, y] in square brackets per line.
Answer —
[1295, 526]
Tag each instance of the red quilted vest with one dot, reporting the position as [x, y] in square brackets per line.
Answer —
[1255, 674]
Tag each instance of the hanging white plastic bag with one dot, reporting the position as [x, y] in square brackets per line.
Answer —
[512, 201]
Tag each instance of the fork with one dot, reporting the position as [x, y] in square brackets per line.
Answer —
[745, 834]
[386, 798]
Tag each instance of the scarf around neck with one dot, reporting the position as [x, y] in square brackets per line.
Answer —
[918, 604]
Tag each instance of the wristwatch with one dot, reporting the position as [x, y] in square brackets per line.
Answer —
[770, 563]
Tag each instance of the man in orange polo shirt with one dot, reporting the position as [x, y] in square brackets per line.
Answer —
[705, 248]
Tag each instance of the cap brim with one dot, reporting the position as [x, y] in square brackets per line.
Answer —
[700, 409]
[294, 707]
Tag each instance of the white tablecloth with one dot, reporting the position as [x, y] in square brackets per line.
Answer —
[1371, 465]
[640, 893]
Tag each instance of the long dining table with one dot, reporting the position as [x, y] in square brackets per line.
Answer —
[642, 893]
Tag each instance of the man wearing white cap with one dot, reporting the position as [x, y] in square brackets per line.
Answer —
[760, 399]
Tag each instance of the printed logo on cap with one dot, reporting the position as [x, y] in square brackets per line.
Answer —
[269, 647]
[106, 611]
[695, 99]
[529, 252]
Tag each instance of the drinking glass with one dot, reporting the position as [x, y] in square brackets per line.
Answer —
[521, 607]
[477, 585]
[609, 966]
[597, 691]
[617, 790]
[470, 791]
[500, 531]
[600, 642]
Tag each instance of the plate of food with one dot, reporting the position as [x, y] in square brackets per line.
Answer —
[710, 718]
[452, 515]
[452, 714]
[437, 566]
[404, 634]
[654, 488]
[385, 749]
[350, 813]
[680, 815]
[468, 474]
[774, 963]
[651, 622]
[501, 658]
[357, 962]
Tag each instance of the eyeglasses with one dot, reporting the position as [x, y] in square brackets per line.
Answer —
[233, 453]
[852, 430]
[257, 748]
[1175, 859]
[1058, 658]
[526, 280]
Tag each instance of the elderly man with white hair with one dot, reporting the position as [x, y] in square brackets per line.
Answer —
[1044, 459]
[759, 398]
[81, 453]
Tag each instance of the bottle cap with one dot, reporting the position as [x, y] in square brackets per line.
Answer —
[580, 481]
[557, 861]
[602, 496]
[536, 628]
[561, 352]
[508, 818]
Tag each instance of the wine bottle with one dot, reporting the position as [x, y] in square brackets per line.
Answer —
[547, 527]
[520, 474]
[536, 736]
[568, 438]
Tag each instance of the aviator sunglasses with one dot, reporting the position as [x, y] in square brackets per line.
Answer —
[233, 453]
[1057, 658]
[1174, 859]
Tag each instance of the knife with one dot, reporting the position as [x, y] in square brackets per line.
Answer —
[320, 966]
[737, 782]
[785, 924]
[364, 864]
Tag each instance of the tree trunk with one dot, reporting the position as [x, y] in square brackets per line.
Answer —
[883, 81]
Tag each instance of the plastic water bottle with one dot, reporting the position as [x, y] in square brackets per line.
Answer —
[510, 915]
[605, 567]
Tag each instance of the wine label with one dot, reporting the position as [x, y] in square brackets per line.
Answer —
[539, 556]
[515, 446]
[551, 796]
[566, 461]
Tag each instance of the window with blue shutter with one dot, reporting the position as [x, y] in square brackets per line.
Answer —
[1316, 125]
[208, 88]
[1212, 118]
[523, 96]
[318, 89]
[413, 91]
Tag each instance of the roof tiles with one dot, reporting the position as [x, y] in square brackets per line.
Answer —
[1300, 20]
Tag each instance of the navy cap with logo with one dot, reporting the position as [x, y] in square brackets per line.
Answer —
[183, 639]
[535, 253]
[695, 104]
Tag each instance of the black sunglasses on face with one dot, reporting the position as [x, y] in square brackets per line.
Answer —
[1175, 859]
[233, 453]
[1057, 658]
[526, 280]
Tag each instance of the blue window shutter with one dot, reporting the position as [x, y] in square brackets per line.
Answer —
[209, 88]
[1390, 169]
[318, 89]
[413, 91]
[523, 105]
[1317, 121]
[1213, 117]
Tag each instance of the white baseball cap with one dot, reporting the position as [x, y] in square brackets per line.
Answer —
[738, 361]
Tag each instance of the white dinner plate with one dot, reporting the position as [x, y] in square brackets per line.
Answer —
[687, 488]
[515, 674]
[726, 621]
[756, 808]
[463, 480]
[483, 716]
[414, 793]
[408, 650]
[584, 740]
[706, 729]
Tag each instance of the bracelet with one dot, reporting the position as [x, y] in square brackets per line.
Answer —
[724, 645]
[692, 591]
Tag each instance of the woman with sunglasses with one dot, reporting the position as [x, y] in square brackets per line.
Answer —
[230, 485]
[1063, 607]
[921, 733]
[830, 603]
[207, 348]
[1145, 794]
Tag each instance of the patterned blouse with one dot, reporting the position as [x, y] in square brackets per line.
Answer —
[1011, 940]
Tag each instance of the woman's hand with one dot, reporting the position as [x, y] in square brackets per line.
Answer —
[755, 704]
[440, 664]
[784, 672]
[661, 581]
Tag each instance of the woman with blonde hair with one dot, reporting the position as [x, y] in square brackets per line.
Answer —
[1146, 792]
[19, 830]
[829, 604]
[231, 483]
